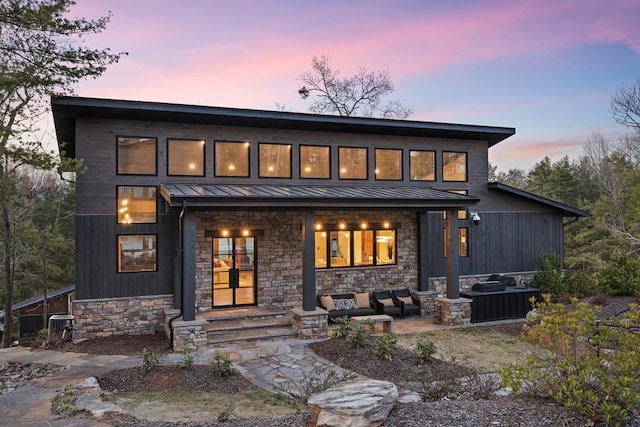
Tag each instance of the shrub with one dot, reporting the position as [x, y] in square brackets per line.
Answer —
[549, 277]
[345, 326]
[187, 358]
[621, 276]
[149, 359]
[385, 346]
[318, 380]
[222, 363]
[592, 367]
[360, 333]
[424, 348]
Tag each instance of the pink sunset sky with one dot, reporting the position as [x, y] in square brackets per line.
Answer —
[547, 68]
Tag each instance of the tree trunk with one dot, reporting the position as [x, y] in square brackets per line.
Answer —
[8, 277]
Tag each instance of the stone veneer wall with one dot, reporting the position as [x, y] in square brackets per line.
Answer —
[279, 255]
[439, 284]
[361, 279]
[118, 316]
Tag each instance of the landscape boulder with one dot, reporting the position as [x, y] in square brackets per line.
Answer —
[360, 403]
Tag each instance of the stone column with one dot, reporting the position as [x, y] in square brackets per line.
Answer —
[310, 324]
[453, 311]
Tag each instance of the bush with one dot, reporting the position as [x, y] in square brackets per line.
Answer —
[549, 277]
[149, 359]
[385, 346]
[345, 326]
[360, 333]
[424, 348]
[621, 276]
[187, 358]
[592, 367]
[222, 363]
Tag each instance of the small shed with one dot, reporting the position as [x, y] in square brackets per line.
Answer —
[29, 312]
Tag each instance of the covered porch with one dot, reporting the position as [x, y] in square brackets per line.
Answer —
[211, 211]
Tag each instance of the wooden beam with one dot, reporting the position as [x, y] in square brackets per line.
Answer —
[189, 266]
[423, 251]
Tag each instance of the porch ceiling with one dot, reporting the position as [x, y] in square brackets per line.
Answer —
[321, 197]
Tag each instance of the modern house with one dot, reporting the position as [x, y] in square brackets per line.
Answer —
[187, 210]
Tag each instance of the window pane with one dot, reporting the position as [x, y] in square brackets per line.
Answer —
[136, 156]
[186, 157]
[340, 248]
[363, 247]
[385, 247]
[321, 249]
[353, 163]
[136, 205]
[454, 166]
[314, 162]
[275, 161]
[388, 164]
[136, 253]
[463, 242]
[422, 165]
[232, 158]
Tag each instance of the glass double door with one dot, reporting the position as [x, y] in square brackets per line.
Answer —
[234, 275]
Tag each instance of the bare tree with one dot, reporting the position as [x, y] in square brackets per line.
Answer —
[625, 106]
[359, 95]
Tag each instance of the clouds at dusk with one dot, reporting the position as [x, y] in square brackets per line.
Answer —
[547, 68]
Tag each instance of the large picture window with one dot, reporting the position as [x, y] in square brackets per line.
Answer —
[388, 164]
[315, 162]
[275, 160]
[137, 253]
[463, 242]
[185, 157]
[136, 205]
[136, 156]
[354, 248]
[232, 158]
[353, 163]
[454, 166]
[422, 165]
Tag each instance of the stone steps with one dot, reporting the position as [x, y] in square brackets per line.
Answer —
[251, 325]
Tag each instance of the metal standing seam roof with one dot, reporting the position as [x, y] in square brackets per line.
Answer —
[318, 196]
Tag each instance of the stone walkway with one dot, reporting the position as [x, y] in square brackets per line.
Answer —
[272, 365]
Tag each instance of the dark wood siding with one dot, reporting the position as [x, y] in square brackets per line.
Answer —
[502, 242]
[96, 258]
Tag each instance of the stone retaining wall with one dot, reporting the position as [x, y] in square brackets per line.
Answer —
[140, 315]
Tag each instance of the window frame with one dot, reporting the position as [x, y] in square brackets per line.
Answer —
[119, 269]
[155, 216]
[435, 169]
[300, 171]
[466, 166]
[246, 143]
[155, 164]
[376, 169]
[366, 161]
[328, 229]
[260, 145]
[204, 156]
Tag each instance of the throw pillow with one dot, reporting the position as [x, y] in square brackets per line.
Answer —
[345, 304]
[327, 302]
[406, 300]
[362, 300]
[387, 302]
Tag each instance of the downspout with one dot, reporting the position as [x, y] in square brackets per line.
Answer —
[180, 251]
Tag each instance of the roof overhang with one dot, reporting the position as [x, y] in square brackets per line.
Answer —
[568, 211]
[67, 109]
[320, 197]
